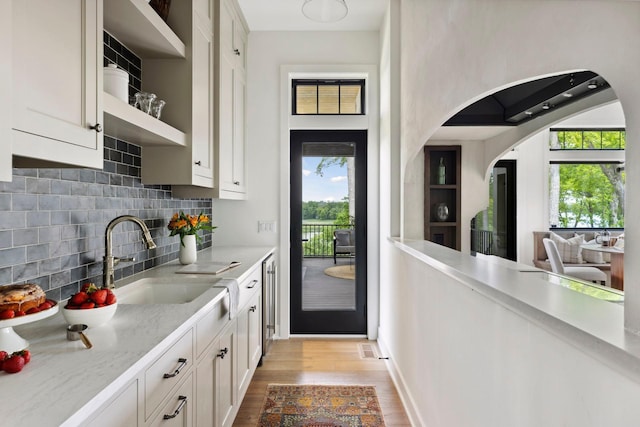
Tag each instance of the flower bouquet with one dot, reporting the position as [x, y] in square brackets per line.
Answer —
[184, 225]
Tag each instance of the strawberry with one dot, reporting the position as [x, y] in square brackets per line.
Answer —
[3, 356]
[7, 314]
[79, 298]
[88, 287]
[86, 305]
[99, 296]
[26, 355]
[13, 364]
[111, 298]
[20, 313]
[45, 305]
[33, 310]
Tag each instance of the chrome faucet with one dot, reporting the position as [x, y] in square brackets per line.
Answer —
[109, 260]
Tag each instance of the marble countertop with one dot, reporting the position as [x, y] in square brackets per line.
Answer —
[65, 382]
[594, 325]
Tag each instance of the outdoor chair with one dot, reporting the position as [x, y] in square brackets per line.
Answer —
[590, 274]
[344, 242]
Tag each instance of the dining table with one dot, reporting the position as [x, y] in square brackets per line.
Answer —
[617, 262]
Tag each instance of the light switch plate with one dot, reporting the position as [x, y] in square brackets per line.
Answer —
[267, 227]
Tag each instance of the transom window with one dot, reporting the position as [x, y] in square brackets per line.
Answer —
[329, 97]
[587, 139]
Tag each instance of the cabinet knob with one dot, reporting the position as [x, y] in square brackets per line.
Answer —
[222, 353]
[198, 163]
[236, 182]
[253, 308]
[236, 51]
[97, 127]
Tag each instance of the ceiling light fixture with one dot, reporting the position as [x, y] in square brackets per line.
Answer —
[567, 95]
[546, 106]
[325, 10]
[592, 84]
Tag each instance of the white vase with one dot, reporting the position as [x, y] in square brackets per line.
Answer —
[188, 250]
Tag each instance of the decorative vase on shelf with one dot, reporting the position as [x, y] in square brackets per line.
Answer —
[442, 172]
[188, 249]
[442, 212]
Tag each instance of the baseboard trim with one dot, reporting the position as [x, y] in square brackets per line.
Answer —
[398, 381]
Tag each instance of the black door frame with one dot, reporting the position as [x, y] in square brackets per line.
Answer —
[339, 321]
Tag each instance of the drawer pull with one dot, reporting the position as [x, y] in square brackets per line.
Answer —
[199, 163]
[253, 308]
[236, 51]
[182, 364]
[252, 284]
[236, 182]
[222, 353]
[183, 401]
[97, 127]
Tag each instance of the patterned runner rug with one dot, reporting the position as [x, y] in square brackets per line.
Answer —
[321, 406]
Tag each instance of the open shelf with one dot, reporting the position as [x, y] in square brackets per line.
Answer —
[136, 25]
[122, 121]
[444, 230]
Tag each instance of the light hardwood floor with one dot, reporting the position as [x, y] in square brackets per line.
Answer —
[321, 361]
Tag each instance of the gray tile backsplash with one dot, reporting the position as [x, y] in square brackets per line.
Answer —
[52, 222]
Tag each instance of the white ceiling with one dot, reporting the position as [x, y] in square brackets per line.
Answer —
[286, 15]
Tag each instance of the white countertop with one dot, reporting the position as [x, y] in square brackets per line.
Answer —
[64, 382]
[594, 325]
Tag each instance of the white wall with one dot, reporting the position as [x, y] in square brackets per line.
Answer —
[267, 150]
[464, 360]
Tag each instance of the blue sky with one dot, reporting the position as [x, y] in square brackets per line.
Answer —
[330, 187]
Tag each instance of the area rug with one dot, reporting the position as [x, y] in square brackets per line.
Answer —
[320, 406]
[342, 272]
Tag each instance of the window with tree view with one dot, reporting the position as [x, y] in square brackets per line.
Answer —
[587, 194]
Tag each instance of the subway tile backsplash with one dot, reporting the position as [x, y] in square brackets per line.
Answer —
[53, 221]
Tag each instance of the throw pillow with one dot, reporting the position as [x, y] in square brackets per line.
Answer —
[570, 250]
[594, 257]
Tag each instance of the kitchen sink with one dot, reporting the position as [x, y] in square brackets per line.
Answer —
[166, 290]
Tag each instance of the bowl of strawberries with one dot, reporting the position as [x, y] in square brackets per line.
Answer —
[92, 306]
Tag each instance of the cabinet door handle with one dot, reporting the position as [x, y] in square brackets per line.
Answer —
[253, 308]
[198, 163]
[222, 353]
[236, 182]
[97, 127]
[253, 284]
[183, 401]
[236, 51]
[183, 363]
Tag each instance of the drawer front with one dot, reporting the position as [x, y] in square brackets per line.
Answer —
[250, 286]
[210, 325]
[178, 411]
[167, 371]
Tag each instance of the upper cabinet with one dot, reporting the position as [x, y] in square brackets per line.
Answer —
[57, 83]
[5, 91]
[230, 37]
[188, 86]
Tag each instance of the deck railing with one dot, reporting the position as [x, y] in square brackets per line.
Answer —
[482, 241]
[317, 239]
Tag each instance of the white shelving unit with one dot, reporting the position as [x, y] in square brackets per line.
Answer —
[123, 121]
[136, 25]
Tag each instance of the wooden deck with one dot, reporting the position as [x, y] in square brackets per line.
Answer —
[322, 292]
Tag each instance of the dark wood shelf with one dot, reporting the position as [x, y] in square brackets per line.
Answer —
[436, 193]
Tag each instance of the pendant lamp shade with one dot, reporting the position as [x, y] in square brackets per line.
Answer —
[325, 10]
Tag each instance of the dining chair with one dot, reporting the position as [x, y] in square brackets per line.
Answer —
[591, 274]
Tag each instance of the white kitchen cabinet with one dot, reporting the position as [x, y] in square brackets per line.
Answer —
[5, 91]
[122, 410]
[230, 107]
[216, 393]
[189, 84]
[57, 83]
[249, 341]
[178, 411]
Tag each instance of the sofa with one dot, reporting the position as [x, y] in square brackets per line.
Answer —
[540, 258]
